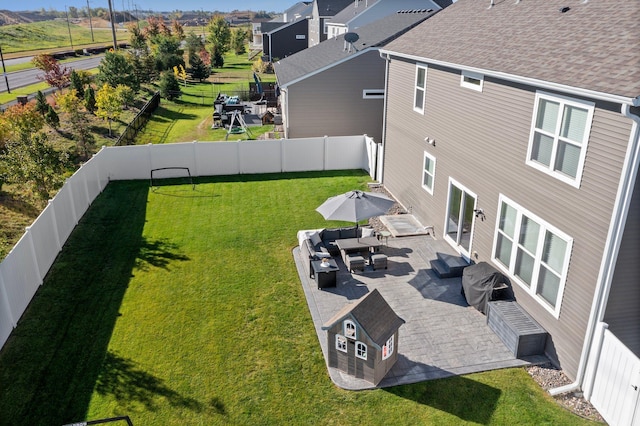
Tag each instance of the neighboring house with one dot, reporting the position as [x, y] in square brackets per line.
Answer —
[299, 11]
[285, 40]
[362, 338]
[363, 12]
[513, 130]
[323, 11]
[337, 88]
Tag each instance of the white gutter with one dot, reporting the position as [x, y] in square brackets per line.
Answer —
[526, 80]
[612, 248]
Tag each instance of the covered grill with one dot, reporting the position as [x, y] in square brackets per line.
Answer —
[482, 283]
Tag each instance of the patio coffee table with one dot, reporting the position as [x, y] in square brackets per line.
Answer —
[325, 276]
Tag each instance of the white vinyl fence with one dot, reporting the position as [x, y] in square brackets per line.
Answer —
[24, 268]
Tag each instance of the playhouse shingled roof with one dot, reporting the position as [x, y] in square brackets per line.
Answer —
[592, 45]
[374, 316]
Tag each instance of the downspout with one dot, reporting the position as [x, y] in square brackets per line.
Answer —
[286, 112]
[386, 58]
[612, 247]
[270, 56]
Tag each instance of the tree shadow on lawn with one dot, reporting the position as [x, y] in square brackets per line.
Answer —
[131, 386]
[464, 398]
[50, 364]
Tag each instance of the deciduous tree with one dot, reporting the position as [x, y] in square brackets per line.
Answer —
[70, 104]
[54, 74]
[32, 162]
[108, 104]
[219, 36]
[239, 38]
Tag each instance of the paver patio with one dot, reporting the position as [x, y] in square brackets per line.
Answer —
[442, 336]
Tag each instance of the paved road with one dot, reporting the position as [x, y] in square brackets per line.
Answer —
[26, 77]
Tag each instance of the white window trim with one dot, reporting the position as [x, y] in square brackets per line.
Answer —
[361, 348]
[373, 94]
[346, 324]
[390, 345]
[563, 100]
[416, 88]
[544, 226]
[433, 177]
[473, 75]
[341, 338]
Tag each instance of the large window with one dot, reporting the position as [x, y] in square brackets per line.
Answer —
[559, 135]
[532, 251]
[421, 88]
[428, 172]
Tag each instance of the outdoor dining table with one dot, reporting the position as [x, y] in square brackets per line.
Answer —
[362, 245]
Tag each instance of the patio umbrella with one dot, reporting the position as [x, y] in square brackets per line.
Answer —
[354, 206]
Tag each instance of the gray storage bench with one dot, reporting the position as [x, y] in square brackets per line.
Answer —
[515, 327]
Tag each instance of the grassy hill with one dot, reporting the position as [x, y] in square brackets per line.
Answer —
[38, 36]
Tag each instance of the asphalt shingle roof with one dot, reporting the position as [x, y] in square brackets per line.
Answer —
[595, 45]
[331, 51]
[331, 7]
[373, 314]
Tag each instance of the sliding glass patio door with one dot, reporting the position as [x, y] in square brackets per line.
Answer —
[460, 218]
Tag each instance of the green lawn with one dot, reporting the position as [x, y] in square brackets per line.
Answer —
[183, 307]
[42, 36]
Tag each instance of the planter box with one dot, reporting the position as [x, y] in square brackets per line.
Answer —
[515, 327]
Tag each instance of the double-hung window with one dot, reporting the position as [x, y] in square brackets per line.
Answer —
[420, 89]
[559, 135]
[428, 172]
[532, 251]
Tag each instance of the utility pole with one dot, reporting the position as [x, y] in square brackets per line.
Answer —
[90, 23]
[68, 26]
[113, 27]
[4, 70]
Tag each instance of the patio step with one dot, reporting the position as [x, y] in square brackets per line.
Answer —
[448, 265]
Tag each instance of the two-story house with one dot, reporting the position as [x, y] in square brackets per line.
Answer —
[513, 129]
[336, 88]
[363, 12]
[283, 35]
[323, 11]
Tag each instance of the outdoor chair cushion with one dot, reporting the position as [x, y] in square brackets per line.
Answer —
[351, 232]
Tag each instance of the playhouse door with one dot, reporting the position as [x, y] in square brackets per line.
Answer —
[351, 363]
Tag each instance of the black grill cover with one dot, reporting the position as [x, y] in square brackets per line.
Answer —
[482, 283]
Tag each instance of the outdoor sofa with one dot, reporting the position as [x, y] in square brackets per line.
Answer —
[318, 243]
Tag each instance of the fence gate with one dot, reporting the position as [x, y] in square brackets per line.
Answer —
[616, 387]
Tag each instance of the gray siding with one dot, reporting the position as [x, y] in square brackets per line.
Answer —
[481, 142]
[330, 103]
[623, 315]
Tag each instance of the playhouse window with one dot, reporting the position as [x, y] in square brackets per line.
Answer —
[361, 350]
[341, 343]
[387, 349]
[350, 329]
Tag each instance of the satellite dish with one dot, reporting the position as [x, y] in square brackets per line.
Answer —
[351, 37]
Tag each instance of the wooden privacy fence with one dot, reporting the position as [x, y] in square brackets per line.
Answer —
[129, 135]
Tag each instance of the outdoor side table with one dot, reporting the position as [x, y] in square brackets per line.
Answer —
[325, 276]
